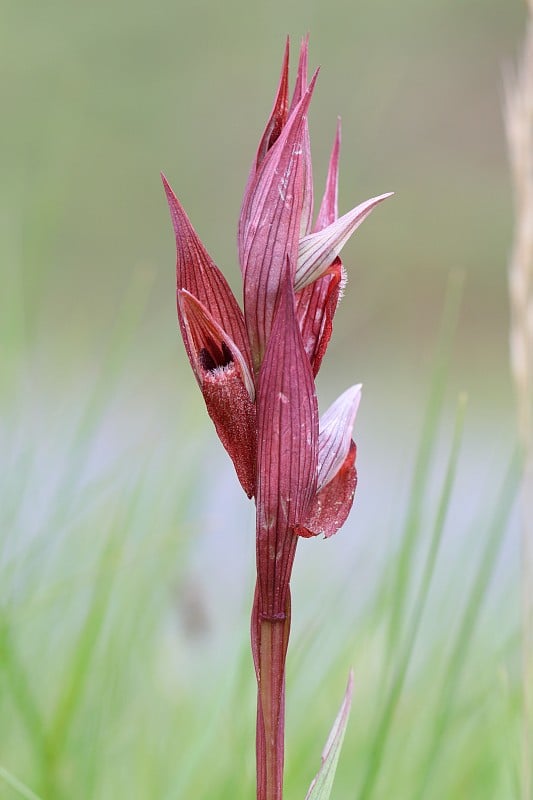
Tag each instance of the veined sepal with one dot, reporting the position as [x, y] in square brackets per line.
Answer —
[287, 449]
[337, 475]
[270, 225]
[226, 384]
[197, 273]
[317, 251]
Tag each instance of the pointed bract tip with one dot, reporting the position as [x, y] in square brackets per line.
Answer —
[335, 439]
[166, 184]
[317, 251]
[174, 205]
[322, 784]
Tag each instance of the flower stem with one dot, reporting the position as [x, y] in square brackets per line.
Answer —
[270, 637]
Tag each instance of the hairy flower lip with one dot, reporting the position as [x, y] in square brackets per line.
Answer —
[204, 333]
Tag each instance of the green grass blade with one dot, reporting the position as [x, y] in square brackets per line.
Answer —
[322, 784]
[22, 695]
[385, 720]
[17, 785]
[397, 591]
[471, 612]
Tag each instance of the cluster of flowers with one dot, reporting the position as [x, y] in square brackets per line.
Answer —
[256, 370]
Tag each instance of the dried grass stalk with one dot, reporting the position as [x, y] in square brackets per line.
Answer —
[519, 125]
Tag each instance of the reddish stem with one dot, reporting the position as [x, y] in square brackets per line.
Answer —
[270, 637]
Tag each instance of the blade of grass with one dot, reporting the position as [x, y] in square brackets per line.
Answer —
[472, 609]
[22, 696]
[322, 783]
[384, 724]
[77, 671]
[398, 588]
[126, 326]
[17, 785]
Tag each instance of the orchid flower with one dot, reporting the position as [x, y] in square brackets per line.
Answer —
[256, 369]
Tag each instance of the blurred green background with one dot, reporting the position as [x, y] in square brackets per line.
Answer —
[113, 483]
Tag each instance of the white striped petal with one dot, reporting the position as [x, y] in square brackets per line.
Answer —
[317, 251]
[335, 434]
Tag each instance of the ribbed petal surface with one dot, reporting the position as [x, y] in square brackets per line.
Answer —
[335, 434]
[332, 504]
[211, 345]
[279, 113]
[226, 385]
[329, 207]
[273, 128]
[317, 251]
[298, 94]
[197, 273]
[272, 226]
[301, 74]
[287, 451]
[315, 308]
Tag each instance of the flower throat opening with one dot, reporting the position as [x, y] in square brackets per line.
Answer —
[214, 356]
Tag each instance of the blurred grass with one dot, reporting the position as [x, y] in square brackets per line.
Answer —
[111, 686]
[124, 664]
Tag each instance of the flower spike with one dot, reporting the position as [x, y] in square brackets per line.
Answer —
[256, 369]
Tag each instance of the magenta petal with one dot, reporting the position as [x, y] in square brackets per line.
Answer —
[287, 459]
[196, 272]
[335, 434]
[307, 204]
[332, 504]
[272, 225]
[279, 113]
[301, 74]
[329, 208]
[299, 91]
[315, 307]
[274, 126]
[337, 477]
[318, 250]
